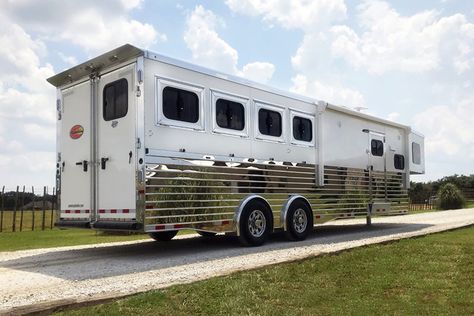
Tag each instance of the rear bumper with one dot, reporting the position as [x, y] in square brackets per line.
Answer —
[105, 225]
[73, 224]
[111, 225]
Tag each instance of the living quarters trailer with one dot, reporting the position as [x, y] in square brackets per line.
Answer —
[149, 143]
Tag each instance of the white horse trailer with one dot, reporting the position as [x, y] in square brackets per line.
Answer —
[149, 143]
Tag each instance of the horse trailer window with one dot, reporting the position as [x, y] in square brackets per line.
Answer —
[269, 122]
[230, 114]
[115, 100]
[376, 147]
[302, 129]
[399, 161]
[415, 152]
[180, 105]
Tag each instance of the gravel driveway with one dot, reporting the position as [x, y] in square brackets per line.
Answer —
[34, 280]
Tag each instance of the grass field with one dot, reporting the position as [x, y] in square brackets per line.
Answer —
[27, 220]
[59, 237]
[431, 275]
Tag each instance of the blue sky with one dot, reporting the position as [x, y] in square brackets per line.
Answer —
[408, 61]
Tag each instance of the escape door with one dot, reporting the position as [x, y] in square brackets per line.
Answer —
[116, 134]
[74, 154]
[376, 151]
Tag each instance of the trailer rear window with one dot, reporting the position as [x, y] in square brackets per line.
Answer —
[376, 147]
[302, 129]
[180, 105]
[399, 161]
[230, 114]
[115, 100]
[269, 122]
[416, 153]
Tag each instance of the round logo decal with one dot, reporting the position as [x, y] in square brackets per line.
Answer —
[76, 131]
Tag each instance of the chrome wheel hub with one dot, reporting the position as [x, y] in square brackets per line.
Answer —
[257, 223]
[300, 220]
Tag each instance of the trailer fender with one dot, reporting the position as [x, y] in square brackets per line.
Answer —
[241, 207]
[286, 206]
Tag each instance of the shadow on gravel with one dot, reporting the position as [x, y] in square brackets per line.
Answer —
[93, 263]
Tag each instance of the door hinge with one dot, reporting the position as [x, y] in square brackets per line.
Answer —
[139, 92]
[58, 108]
[139, 143]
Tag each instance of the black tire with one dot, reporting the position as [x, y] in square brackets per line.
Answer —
[206, 234]
[256, 223]
[163, 236]
[299, 221]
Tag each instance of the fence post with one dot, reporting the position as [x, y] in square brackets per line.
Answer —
[15, 208]
[44, 209]
[52, 208]
[1, 209]
[33, 208]
[22, 208]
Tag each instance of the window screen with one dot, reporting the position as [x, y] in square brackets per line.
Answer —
[376, 147]
[399, 161]
[302, 129]
[416, 153]
[180, 105]
[115, 100]
[269, 122]
[230, 115]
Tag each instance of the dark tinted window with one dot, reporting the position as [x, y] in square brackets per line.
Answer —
[269, 122]
[376, 147]
[180, 105]
[115, 100]
[302, 129]
[416, 153]
[399, 161]
[230, 114]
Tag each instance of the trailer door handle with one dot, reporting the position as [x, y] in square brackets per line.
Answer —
[84, 164]
[103, 162]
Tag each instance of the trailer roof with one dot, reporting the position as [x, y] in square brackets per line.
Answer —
[127, 52]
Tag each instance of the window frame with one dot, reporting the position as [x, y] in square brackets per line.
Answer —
[161, 119]
[216, 95]
[383, 147]
[112, 83]
[271, 107]
[304, 115]
[413, 160]
[403, 161]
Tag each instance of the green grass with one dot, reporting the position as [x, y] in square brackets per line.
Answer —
[431, 275]
[469, 204]
[59, 237]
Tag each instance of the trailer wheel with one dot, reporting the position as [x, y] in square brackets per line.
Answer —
[206, 234]
[299, 221]
[163, 236]
[256, 223]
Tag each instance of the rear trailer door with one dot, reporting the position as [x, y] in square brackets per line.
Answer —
[75, 136]
[116, 147]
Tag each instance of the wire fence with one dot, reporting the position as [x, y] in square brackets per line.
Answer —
[27, 208]
[35, 208]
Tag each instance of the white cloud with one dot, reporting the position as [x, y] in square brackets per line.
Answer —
[449, 130]
[258, 71]
[417, 43]
[92, 25]
[27, 116]
[210, 50]
[393, 116]
[307, 15]
[205, 43]
[69, 60]
[334, 94]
